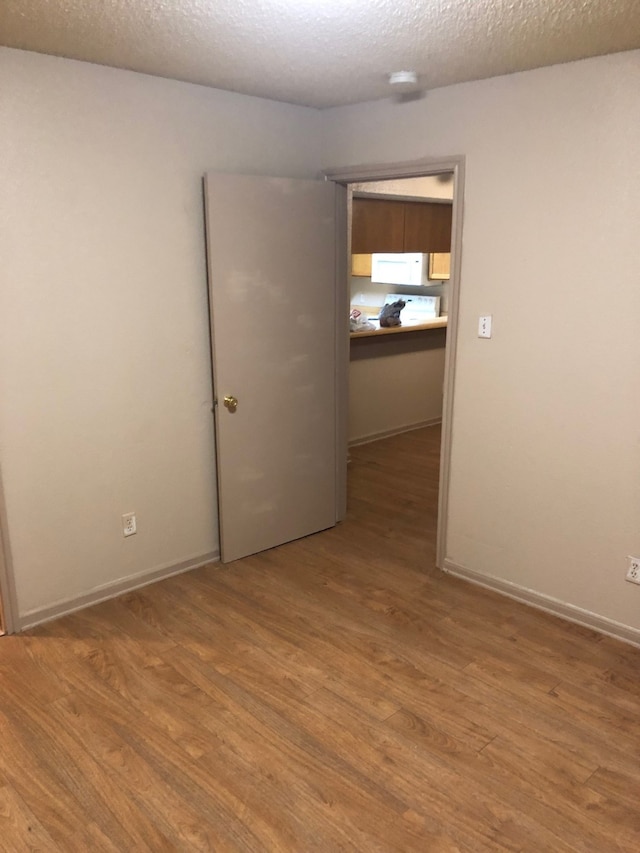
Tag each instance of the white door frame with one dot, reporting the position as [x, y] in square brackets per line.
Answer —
[415, 169]
[8, 601]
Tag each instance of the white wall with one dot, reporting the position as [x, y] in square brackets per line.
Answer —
[395, 383]
[104, 366]
[545, 486]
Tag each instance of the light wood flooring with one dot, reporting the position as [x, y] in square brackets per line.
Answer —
[334, 694]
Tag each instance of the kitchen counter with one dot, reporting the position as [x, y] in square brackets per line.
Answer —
[435, 323]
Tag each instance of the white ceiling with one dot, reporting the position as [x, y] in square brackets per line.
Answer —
[321, 53]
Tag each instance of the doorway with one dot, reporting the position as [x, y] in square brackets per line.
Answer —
[330, 369]
[390, 178]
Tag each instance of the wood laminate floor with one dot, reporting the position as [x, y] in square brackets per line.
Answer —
[337, 693]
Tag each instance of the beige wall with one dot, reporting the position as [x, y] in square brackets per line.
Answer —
[104, 376]
[395, 382]
[546, 457]
[104, 366]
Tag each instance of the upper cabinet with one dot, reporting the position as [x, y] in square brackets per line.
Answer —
[377, 222]
[427, 227]
[379, 225]
[361, 265]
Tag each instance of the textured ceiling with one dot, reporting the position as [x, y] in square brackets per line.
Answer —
[321, 52]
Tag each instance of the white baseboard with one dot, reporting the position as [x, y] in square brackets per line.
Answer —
[387, 433]
[111, 590]
[550, 605]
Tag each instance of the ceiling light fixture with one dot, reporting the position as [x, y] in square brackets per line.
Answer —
[403, 78]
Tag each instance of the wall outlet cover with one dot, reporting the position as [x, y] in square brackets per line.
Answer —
[129, 526]
[633, 572]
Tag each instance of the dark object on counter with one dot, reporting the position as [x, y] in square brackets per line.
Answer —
[390, 314]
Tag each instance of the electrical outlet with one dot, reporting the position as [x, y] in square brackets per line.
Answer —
[633, 572]
[129, 526]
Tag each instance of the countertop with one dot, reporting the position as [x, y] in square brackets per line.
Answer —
[436, 323]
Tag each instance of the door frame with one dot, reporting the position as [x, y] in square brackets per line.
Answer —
[8, 600]
[413, 169]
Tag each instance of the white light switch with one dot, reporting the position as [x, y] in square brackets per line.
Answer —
[484, 326]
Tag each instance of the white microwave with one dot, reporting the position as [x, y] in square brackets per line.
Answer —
[411, 268]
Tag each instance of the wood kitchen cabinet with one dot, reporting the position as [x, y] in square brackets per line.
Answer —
[361, 265]
[379, 225]
[427, 227]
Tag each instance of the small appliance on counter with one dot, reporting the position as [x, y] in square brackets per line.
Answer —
[417, 310]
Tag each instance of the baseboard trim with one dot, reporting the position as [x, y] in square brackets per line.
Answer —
[568, 612]
[111, 590]
[388, 433]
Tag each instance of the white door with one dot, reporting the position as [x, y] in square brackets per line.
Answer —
[271, 245]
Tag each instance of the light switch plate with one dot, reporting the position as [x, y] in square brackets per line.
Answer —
[484, 326]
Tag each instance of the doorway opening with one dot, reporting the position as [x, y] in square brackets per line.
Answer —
[400, 379]
[300, 360]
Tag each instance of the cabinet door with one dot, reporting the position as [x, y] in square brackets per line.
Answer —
[361, 265]
[427, 227]
[377, 226]
[439, 266]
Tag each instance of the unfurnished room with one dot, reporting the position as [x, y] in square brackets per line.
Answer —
[319, 426]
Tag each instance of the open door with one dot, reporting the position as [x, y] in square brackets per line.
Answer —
[271, 246]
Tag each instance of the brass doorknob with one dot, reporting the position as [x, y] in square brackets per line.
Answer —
[231, 403]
